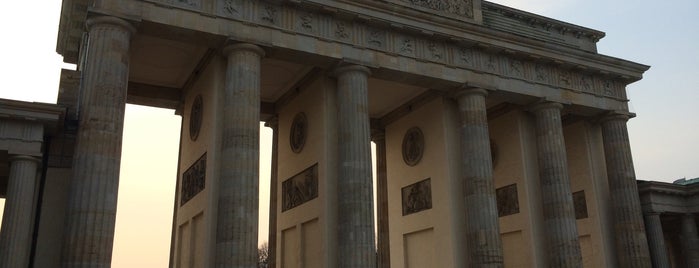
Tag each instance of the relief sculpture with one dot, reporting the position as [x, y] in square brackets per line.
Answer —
[454, 7]
[193, 180]
[417, 197]
[300, 188]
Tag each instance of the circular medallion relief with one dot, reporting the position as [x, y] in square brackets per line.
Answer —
[299, 131]
[195, 117]
[413, 146]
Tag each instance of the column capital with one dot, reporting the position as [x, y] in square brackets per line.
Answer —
[467, 91]
[243, 46]
[350, 68]
[272, 122]
[100, 20]
[25, 158]
[378, 134]
[545, 105]
[616, 116]
[652, 213]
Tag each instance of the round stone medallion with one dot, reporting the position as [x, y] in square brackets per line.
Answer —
[195, 117]
[299, 131]
[413, 146]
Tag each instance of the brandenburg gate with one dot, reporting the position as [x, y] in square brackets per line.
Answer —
[500, 136]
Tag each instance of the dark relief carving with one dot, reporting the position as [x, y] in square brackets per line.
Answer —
[300, 188]
[580, 205]
[298, 133]
[193, 180]
[195, 117]
[508, 202]
[413, 146]
[454, 7]
[417, 197]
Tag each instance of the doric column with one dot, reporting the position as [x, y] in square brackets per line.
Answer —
[355, 230]
[656, 240]
[690, 240]
[91, 212]
[383, 241]
[236, 234]
[272, 236]
[631, 244]
[563, 246]
[482, 230]
[16, 234]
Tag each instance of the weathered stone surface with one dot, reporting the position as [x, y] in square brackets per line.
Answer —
[656, 240]
[17, 221]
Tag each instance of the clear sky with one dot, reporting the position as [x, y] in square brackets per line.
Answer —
[664, 136]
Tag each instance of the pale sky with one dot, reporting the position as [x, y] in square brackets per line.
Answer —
[664, 136]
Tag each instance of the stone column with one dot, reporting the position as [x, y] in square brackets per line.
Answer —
[16, 233]
[631, 245]
[690, 240]
[236, 234]
[355, 230]
[563, 245]
[383, 240]
[482, 231]
[272, 237]
[92, 204]
[656, 240]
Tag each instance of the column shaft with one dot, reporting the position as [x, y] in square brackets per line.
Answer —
[656, 241]
[91, 212]
[690, 240]
[631, 244]
[563, 245]
[236, 235]
[354, 185]
[16, 233]
[383, 240]
[482, 231]
[272, 237]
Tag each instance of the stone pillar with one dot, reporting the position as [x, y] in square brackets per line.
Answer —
[383, 241]
[482, 231]
[236, 234]
[272, 237]
[563, 245]
[631, 245]
[16, 233]
[92, 204]
[355, 230]
[656, 240]
[690, 240]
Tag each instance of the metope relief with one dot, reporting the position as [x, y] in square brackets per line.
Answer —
[507, 200]
[580, 205]
[193, 180]
[413, 146]
[417, 197]
[300, 188]
[298, 132]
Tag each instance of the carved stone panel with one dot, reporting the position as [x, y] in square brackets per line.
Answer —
[452, 8]
[417, 197]
[193, 180]
[298, 133]
[413, 146]
[300, 188]
[580, 205]
[507, 199]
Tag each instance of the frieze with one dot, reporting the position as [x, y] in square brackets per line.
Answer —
[423, 46]
[300, 188]
[416, 197]
[461, 8]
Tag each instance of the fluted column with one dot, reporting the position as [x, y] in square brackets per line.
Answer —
[16, 233]
[482, 231]
[236, 233]
[272, 236]
[631, 244]
[656, 240]
[690, 240]
[563, 245]
[355, 228]
[383, 241]
[91, 212]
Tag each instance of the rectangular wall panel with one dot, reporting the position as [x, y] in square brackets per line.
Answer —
[290, 248]
[419, 249]
[513, 250]
[312, 245]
